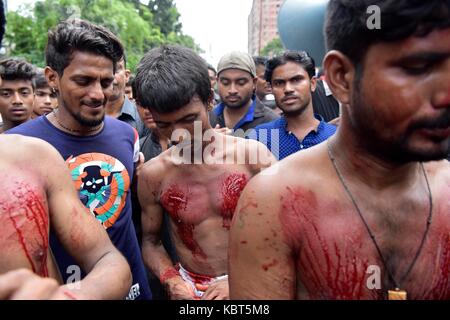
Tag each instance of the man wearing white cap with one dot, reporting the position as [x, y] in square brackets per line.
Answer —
[240, 109]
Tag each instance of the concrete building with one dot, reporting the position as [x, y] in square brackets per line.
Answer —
[262, 24]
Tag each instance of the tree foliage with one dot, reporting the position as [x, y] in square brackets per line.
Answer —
[166, 16]
[138, 27]
[274, 47]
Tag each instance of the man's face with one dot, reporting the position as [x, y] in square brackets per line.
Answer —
[262, 86]
[402, 102]
[146, 117]
[236, 88]
[183, 119]
[44, 101]
[16, 100]
[129, 92]
[212, 78]
[120, 79]
[292, 88]
[84, 87]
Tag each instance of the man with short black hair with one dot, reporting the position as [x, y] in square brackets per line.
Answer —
[212, 73]
[16, 92]
[263, 91]
[291, 76]
[197, 191]
[365, 215]
[101, 152]
[129, 88]
[45, 98]
[119, 105]
[240, 109]
[35, 195]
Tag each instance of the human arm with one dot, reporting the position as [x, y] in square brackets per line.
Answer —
[261, 264]
[155, 255]
[108, 273]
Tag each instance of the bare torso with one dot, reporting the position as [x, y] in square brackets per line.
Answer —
[335, 255]
[200, 200]
[311, 243]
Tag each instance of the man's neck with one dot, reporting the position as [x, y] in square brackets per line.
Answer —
[114, 108]
[66, 122]
[9, 124]
[301, 125]
[355, 160]
[233, 115]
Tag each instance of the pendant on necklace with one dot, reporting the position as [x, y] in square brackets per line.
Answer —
[397, 294]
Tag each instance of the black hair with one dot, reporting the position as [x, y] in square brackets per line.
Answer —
[39, 81]
[80, 35]
[16, 69]
[260, 61]
[346, 23]
[168, 77]
[210, 67]
[134, 90]
[300, 57]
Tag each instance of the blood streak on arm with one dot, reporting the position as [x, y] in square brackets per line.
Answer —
[32, 233]
[169, 274]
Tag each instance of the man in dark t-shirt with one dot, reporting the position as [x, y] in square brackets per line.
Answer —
[101, 152]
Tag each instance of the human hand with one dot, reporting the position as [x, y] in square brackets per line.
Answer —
[223, 130]
[218, 290]
[178, 289]
[23, 284]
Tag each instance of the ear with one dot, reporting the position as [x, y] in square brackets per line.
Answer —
[339, 73]
[127, 75]
[313, 84]
[52, 77]
[255, 81]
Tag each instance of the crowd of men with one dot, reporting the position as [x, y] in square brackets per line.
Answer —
[257, 179]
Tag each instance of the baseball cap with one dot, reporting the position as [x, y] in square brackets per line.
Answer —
[237, 60]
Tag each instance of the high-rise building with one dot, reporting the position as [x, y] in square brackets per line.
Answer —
[262, 24]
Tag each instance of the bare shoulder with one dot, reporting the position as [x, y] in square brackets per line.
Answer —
[273, 181]
[305, 168]
[255, 153]
[22, 148]
[246, 144]
[155, 169]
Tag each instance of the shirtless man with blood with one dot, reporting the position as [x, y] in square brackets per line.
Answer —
[374, 202]
[200, 197]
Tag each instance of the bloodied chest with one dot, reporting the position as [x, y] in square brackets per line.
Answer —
[192, 201]
[335, 257]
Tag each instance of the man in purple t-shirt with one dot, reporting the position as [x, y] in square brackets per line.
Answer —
[100, 152]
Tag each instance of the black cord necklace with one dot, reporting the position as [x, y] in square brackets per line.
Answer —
[397, 293]
[75, 130]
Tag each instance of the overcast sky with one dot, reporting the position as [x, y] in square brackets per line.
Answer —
[218, 26]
